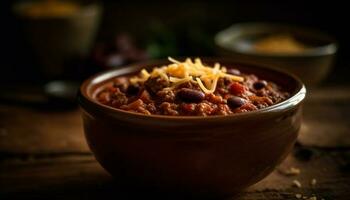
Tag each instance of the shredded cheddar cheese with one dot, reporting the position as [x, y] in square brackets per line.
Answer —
[178, 73]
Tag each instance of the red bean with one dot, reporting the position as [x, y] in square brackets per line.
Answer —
[190, 95]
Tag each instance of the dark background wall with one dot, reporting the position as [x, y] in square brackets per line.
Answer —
[188, 25]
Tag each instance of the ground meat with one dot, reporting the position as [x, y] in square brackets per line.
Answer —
[204, 109]
[189, 85]
[216, 99]
[245, 108]
[223, 109]
[104, 97]
[151, 108]
[166, 95]
[273, 94]
[154, 84]
[223, 82]
[168, 108]
[155, 96]
[137, 106]
[260, 102]
[145, 97]
[118, 98]
[221, 91]
[188, 108]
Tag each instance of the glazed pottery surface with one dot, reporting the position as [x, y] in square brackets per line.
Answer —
[209, 156]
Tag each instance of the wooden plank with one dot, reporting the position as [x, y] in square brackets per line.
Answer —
[326, 118]
[329, 169]
[326, 125]
[81, 177]
[24, 130]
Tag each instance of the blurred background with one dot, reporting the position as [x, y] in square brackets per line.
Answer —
[49, 47]
[52, 40]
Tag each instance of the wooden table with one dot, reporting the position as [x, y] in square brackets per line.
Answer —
[43, 155]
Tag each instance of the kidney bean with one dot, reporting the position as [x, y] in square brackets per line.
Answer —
[259, 84]
[190, 95]
[235, 102]
[133, 90]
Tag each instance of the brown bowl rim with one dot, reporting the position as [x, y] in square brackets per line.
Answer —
[291, 102]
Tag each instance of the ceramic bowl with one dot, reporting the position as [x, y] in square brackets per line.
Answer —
[210, 156]
[311, 66]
